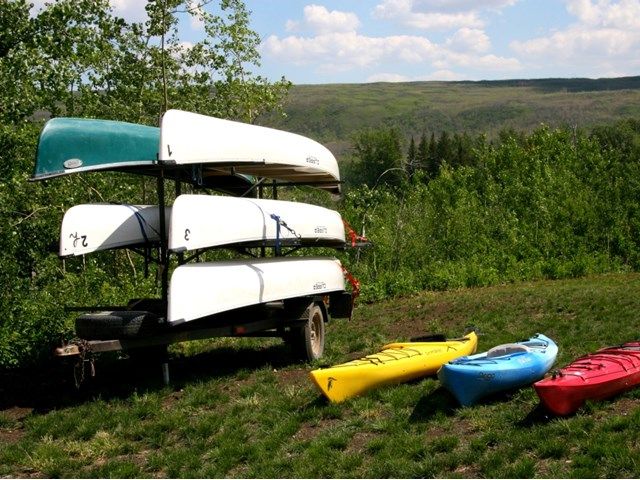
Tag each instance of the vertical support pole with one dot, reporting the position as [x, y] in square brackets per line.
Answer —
[263, 252]
[274, 190]
[165, 372]
[163, 263]
[180, 255]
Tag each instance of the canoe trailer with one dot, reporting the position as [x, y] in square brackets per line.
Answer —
[295, 309]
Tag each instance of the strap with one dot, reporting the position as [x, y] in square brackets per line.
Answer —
[355, 287]
[353, 236]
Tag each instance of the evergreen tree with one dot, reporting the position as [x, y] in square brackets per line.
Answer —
[378, 159]
[444, 150]
[422, 155]
[432, 163]
[412, 158]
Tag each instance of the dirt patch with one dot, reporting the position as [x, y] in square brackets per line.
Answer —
[14, 433]
[625, 406]
[233, 387]
[11, 436]
[16, 414]
[467, 471]
[170, 400]
[298, 376]
[419, 315]
[359, 441]
[309, 431]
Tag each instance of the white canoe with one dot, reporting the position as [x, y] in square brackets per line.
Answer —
[189, 138]
[203, 289]
[92, 227]
[201, 221]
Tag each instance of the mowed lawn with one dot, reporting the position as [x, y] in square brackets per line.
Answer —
[242, 408]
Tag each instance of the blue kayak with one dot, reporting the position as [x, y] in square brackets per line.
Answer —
[504, 367]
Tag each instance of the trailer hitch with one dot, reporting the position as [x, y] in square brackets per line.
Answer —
[85, 359]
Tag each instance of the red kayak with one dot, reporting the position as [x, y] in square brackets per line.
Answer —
[595, 376]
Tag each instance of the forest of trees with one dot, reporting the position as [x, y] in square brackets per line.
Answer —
[546, 204]
[444, 210]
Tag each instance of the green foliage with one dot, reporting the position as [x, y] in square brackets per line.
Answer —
[335, 113]
[76, 58]
[553, 204]
[458, 211]
[377, 159]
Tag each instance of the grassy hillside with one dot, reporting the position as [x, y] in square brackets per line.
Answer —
[332, 113]
[242, 409]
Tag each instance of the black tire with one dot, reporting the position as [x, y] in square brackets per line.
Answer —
[113, 325]
[307, 341]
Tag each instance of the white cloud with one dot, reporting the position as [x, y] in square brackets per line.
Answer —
[443, 75]
[402, 11]
[342, 49]
[347, 51]
[438, 14]
[131, 10]
[624, 14]
[196, 13]
[460, 5]
[319, 20]
[605, 37]
[387, 77]
[469, 39]
[438, 75]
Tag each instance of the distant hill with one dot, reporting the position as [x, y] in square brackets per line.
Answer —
[333, 113]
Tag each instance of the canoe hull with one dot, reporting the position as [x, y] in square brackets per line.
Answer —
[93, 227]
[205, 151]
[72, 145]
[596, 376]
[200, 221]
[189, 138]
[396, 363]
[471, 378]
[75, 145]
[204, 289]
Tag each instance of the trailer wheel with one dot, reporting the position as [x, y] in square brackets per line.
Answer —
[307, 341]
[112, 325]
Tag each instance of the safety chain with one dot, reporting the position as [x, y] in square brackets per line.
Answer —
[85, 356]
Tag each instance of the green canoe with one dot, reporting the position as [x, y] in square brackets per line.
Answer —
[74, 145]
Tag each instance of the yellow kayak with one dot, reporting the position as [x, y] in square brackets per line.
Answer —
[396, 363]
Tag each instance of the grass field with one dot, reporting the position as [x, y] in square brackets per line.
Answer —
[333, 113]
[242, 409]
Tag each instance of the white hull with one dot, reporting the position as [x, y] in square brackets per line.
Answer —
[190, 138]
[200, 221]
[203, 289]
[94, 227]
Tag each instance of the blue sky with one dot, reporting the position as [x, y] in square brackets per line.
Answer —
[408, 40]
[356, 41]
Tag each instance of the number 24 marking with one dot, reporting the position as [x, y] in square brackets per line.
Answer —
[77, 237]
